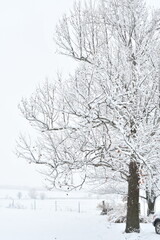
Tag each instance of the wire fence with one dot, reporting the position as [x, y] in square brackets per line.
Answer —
[66, 204]
[55, 205]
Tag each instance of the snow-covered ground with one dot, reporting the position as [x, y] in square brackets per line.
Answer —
[18, 224]
[62, 216]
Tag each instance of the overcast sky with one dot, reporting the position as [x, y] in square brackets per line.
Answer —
[27, 57]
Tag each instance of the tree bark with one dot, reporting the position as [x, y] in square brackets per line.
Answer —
[132, 223]
[151, 199]
[151, 205]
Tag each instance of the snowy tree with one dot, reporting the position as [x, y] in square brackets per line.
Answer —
[151, 197]
[151, 190]
[106, 115]
[32, 193]
[19, 195]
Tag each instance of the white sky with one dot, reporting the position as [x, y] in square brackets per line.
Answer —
[27, 57]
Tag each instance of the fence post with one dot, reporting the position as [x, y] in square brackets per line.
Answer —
[79, 207]
[55, 206]
[34, 204]
[12, 203]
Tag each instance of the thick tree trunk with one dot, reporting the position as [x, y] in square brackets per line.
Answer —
[132, 223]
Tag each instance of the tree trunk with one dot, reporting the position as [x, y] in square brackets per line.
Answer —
[151, 199]
[150, 209]
[132, 223]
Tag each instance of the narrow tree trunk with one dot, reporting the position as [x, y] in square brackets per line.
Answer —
[151, 199]
[151, 205]
[132, 223]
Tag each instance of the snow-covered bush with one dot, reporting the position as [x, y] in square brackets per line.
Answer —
[118, 214]
[105, 207]
[144, 219]
[16, 206]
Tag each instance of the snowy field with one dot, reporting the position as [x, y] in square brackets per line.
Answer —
[64, 217]
[18, 224]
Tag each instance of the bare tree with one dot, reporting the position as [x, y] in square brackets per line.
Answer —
[32, 193]
[151, 192]
[19, 195]
[105, 116]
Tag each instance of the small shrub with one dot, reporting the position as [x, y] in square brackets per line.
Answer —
[16, 206]
[118, 214]
[144, 219]
[104, 207]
